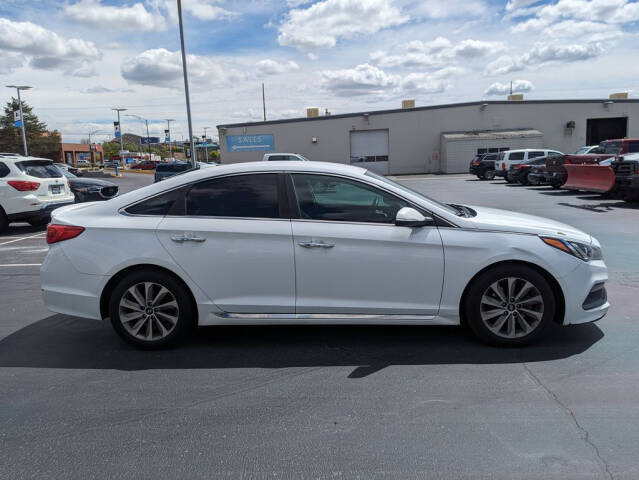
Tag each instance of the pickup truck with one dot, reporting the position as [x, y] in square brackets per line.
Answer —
[626, 170]
[555, 173]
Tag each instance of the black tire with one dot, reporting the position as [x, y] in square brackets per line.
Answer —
[524, 181]
[4, 221]
[184, 312]
[481, 176]
[481, 286]
[489, 175]
[39, 222]
[556, 185]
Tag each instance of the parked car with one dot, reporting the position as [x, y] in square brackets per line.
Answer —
[166, 170]
[111, 163]
[555, 173]
[537, 174]
[513, 157]
[30, 189]
[588, 149]
[75, 171]
[519, 173]
[619, 146]
[626, 170]
[273, 157]
[354, 247]
[89, 189]
[483, 165]
[145, 165]
[81, 162]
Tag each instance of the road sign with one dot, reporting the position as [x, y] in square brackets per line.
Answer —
[149, 140]
[250, 143]
[17, 119]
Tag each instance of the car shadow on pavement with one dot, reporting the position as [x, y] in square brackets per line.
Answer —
[602, 207]
[21, 229]
[61, 341]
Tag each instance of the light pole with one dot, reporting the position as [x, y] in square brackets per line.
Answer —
[121, 134]
[206, 145]
[24, 135]
[168, 128]
[148, 139]
[91, 146]
[186, 84]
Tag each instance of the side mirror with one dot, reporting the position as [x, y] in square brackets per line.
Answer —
[409, 217]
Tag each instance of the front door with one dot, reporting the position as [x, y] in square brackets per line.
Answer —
[350, 258]
[234, 245]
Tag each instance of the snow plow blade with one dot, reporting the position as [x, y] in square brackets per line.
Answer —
[590, 178]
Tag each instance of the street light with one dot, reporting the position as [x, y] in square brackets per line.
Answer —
[91, 146]
[186, 84]
[121, 135]
[148, 140]
[24, 135]
[168, 128]
[206, 145]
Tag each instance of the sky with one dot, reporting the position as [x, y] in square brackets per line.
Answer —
[85, 57]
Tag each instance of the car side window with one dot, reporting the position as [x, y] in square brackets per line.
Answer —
[535, 154]
[4, 170]
[633, 147]
[158, 205]
[323, 197]
[246, 196]
[554, 154]
[516, 156]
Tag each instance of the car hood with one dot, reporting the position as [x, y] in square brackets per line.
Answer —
[506, 221]
[89, 182]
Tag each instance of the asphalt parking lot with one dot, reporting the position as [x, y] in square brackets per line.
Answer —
[324, 402]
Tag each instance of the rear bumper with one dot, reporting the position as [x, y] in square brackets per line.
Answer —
[500, 173]
[43, 210]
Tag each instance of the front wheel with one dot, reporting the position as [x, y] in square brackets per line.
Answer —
[509, 305]
[150, 309]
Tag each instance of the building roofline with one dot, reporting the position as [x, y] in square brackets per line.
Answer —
[427, 107]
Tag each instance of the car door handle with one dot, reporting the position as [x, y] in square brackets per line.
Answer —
[187, 238]
[316, 245]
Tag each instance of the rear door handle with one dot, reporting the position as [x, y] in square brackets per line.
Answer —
[313, 244]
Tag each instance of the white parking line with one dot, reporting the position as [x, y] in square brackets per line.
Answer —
[24, 238]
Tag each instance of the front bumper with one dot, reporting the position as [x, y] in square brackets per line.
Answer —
[580, 289]
[627, 183]
[500, 173]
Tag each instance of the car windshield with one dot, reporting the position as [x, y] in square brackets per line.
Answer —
[610, 147]
[66, 172]
[39, 168]
[448, 208]
[582, 150]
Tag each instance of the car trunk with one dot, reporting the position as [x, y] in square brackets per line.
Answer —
[52, 184]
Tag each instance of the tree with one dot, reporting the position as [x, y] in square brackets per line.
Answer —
[40, 142]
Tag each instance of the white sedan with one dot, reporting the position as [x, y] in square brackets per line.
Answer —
[310, 242]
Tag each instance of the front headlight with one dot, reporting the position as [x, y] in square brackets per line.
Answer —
[580, 250]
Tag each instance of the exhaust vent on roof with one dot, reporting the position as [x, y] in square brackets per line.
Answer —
[516, 97]
[408, 103]
[312, 112]
[619, 96]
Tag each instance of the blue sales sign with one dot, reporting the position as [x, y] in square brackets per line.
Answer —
[250, 143]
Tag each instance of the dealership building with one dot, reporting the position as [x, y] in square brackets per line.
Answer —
[434, 139]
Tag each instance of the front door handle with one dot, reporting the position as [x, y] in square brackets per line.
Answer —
[313, 244]
[187, 237]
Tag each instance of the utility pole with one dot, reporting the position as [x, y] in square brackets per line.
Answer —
[24, 135]
[168, 128]
[263, 102]
[91, 146]
[186, 84]
[206, 145]
[121, 134]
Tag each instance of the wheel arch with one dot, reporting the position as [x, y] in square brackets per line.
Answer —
[560, 300]
[113, 281]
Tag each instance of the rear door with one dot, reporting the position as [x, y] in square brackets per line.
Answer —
[232, 238]
[350, 257]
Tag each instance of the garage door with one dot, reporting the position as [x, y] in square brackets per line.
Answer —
[369, 149]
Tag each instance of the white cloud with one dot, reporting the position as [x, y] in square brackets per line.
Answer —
[121, 17]
[162, 68]
[437, 52]
[322, 24]
[46, 50]
[10, 62]
[517, 4]
[423, 83]
[444, 9]
[205, 9]
[272, 67]
[518, 86]
[543, 54]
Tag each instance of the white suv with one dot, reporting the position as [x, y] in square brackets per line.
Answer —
[515, 157]
[30, 188]
[278, 157]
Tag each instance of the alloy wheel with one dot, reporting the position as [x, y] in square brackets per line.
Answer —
[148, 311]
[512, 307]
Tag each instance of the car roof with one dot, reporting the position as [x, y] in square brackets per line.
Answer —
[16, 157]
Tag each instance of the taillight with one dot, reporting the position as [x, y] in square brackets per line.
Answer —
[24, 185]
[519, 167]
[58, 233]
[503, 166]
[476, 162]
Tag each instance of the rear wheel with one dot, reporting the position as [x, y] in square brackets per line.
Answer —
[489, 174]
[556, 185]
[150, 309]
[509, 305]
[40, 221]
